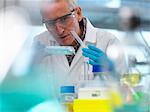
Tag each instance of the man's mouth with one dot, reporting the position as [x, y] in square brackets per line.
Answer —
[64, 38]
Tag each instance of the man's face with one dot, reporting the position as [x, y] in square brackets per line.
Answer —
[60, 20]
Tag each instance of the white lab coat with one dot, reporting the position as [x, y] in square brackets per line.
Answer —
[58, 66]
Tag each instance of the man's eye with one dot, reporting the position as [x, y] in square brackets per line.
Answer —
[50, 22]
[63, 19]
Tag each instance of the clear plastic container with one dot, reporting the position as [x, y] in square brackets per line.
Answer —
[59, 50]
[67, 96]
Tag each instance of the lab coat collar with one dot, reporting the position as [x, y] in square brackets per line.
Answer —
[90, 33]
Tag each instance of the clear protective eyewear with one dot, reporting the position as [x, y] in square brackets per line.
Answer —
[64, 20]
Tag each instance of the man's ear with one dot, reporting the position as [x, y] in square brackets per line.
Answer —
[79, 13]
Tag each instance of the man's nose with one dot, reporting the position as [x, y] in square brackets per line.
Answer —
[59, 28]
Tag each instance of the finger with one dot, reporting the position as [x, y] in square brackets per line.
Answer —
[92, 57]
[89, 51]
[91, 62]
[93, 47]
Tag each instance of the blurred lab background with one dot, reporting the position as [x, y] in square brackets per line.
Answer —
[22, 88]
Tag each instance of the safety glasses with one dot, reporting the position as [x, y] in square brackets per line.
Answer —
[64, 20]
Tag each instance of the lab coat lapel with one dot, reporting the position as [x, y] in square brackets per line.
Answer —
[91, 35]
[63, 61]
[76, 58]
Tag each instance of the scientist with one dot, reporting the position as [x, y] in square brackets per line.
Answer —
[60, 17]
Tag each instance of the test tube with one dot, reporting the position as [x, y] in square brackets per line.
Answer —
[86, 66]
[77, 38]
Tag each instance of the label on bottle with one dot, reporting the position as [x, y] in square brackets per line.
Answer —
[93, 93]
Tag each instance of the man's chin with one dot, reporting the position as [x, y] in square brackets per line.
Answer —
[67, 44]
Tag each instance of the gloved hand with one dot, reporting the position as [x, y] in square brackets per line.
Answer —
[98, 57]
[38, 52]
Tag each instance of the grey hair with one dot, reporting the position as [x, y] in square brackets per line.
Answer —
[72, 3]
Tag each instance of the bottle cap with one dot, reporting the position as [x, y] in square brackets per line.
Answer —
[67, 89]
[97, 68]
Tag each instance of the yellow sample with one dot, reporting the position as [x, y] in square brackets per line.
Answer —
[92, 105]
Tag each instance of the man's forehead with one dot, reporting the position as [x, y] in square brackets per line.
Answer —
[52, 1]
[54, 10]
[53, 4]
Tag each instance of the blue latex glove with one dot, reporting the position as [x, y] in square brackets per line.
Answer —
[98, 57]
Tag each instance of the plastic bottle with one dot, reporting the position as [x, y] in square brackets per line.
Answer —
[101, 80]
[100, 75]
[67, 96]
